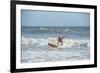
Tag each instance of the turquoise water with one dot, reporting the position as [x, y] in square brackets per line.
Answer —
[34, 42]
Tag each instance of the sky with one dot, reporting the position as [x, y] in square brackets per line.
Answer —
[52, 18]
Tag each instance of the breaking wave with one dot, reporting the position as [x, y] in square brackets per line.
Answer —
[41, 42]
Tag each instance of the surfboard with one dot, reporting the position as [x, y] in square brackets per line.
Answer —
[53, 45]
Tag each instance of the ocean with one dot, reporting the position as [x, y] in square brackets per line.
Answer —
[34, 44]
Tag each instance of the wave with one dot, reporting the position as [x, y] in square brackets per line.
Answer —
[54, 29]
[71, 30]
[42, 42]
[62, 29]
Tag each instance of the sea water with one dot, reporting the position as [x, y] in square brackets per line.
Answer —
[34, 44]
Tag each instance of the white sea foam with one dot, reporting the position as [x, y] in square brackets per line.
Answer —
[68, 43]
[66, 30]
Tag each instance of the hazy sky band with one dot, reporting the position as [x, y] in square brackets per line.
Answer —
[54, 18]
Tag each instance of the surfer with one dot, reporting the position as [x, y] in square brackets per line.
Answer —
[60, 39]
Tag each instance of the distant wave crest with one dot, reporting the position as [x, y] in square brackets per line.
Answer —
[54, 29]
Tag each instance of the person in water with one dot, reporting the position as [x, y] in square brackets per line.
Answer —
[60, 39]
